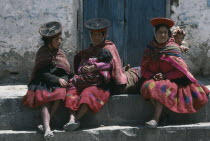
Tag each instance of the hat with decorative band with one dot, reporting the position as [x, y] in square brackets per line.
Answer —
[160, 20]
[97, 24]
[50, 29]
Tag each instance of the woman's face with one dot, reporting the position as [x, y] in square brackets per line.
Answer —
[162, 34]
[179, 38]
[97, 37]
[56, 42]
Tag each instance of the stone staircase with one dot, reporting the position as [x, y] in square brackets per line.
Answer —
[121, 119]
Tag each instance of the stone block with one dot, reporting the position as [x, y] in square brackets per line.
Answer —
[120, 110]
[196, 132]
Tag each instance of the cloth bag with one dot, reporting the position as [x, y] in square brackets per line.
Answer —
[133, 81]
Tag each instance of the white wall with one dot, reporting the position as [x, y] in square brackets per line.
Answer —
[194, 17]
[19, 37]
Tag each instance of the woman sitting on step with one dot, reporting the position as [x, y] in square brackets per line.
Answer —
[49, 77]
[93, 97]
[168, 81]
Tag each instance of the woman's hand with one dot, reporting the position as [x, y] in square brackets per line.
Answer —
[88, 69]
[158, 77]
[63, 82]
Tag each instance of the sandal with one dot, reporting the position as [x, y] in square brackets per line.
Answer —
[49, 136]
[40, 128]
[151, 124]
[70, 126]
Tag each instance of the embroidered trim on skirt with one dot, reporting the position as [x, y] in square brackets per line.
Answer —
[94, 96]
[176, 97]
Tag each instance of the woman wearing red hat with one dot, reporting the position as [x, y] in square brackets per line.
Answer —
[94, 97]
[49, 77]
[168, 81]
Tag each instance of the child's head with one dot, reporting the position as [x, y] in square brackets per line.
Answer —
[104, 56]
[178, 35]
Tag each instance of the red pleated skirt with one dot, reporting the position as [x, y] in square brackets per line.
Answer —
[176, 97]
[93, 96]
[38, 95]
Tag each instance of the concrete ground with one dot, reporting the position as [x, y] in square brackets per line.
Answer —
[192, 132]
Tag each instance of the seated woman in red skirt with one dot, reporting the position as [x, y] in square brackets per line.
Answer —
[93, 97]
[49, 77]
[168, 81]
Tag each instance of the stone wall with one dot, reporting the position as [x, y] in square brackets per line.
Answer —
[21, 19]
[194, 17]
[19, 37]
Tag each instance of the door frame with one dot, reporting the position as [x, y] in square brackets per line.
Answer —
[80, 22]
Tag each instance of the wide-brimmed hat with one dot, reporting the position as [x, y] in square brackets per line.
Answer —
[97, 24]
[160, 20]
[50, 29]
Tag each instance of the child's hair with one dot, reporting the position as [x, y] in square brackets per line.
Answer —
[104, 56]
[177, 30]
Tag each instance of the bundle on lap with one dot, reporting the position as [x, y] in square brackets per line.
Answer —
[84, 80]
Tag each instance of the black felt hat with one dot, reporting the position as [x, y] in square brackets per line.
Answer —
[50, 29]
[97, 24]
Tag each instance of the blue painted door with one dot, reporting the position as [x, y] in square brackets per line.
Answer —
[131, 29]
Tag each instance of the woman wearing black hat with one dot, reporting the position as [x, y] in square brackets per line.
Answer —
[93, 97]
[49, 77]
[168, 81]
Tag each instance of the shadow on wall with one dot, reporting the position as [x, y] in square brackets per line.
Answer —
[175, 2]
[15, 69]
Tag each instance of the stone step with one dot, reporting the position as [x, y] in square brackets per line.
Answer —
[121, 109]
[194, 132]
[125, 109]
